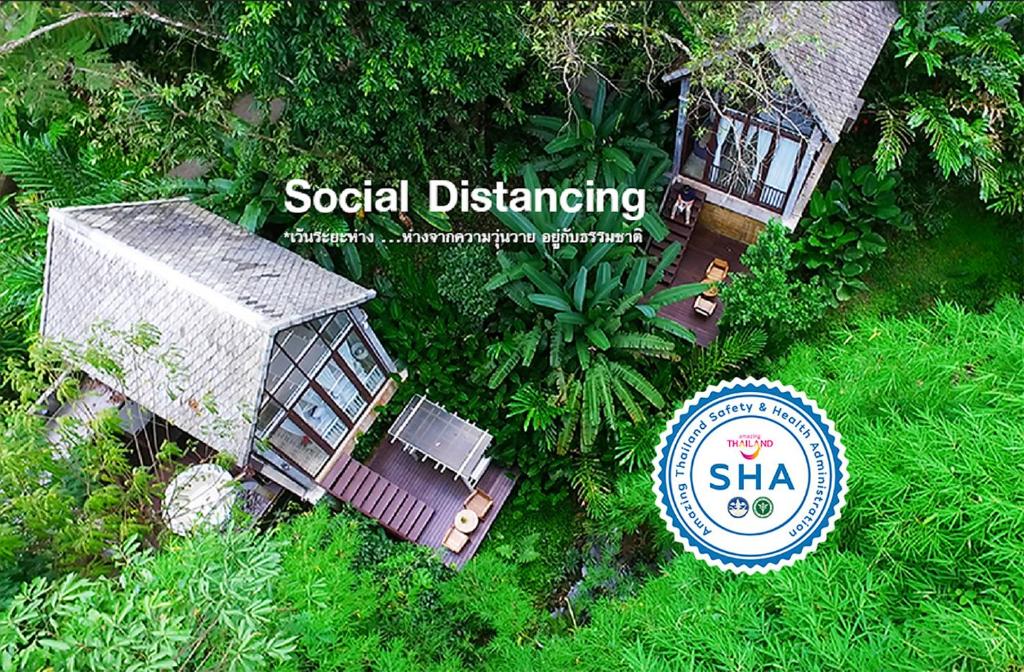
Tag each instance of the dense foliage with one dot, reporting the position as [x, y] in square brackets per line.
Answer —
[387, 89]
[557, 350]
[917, 578]
[772, 294]
[959, 93]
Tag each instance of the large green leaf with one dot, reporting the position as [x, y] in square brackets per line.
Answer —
[676, 294]
[549, 301]
[541, 280]
[668, 256]
[619, 158]
[872, 243]
[654, 226]
[562, 143]
[580, 288]
[597, 337]
[674, 328]
[596, 254]
[570, 318]
[635, 281]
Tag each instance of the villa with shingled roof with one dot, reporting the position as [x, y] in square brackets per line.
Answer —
[736, 168]
[265, 356]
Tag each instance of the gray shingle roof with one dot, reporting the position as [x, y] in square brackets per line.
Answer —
[827, 49]
[216, 294]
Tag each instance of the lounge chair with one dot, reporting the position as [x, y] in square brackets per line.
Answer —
[718, 269]
[702, 305]
[454, 540]
[479, 502]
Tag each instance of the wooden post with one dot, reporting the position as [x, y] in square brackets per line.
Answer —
[801, 174]
[684, 97]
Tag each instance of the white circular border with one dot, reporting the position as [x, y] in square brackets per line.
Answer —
[818, 536]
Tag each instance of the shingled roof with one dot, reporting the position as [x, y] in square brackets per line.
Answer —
[827, 50]
[216, 294]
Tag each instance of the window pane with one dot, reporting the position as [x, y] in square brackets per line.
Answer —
[291, 387]
[358, 357]
[314, 357]
[342, 390]
[269, 415]
[279, 365]
[295, 340]
[316, 413]
[334, 330]
[292, 442]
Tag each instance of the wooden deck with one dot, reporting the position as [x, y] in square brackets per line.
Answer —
[374, 495]
[703, 246]
[443, 494]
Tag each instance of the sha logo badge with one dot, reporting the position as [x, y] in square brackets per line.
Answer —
[750, 475]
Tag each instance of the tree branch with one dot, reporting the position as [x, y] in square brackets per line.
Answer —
[70, 18]
[136, 9]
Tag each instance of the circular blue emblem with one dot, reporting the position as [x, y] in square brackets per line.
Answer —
[750, 447]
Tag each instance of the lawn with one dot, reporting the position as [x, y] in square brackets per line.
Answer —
[975, 259]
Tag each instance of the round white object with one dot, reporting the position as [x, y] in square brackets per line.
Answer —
[201, 496]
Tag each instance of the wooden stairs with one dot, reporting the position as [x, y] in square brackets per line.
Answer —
[373, 495]
[679, 230]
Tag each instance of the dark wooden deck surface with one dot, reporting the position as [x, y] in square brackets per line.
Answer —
[703, 246]
[402, 513]
[442, 493]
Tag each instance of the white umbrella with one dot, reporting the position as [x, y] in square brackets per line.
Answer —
[200, 496]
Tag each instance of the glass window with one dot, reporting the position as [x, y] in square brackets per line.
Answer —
[279, 365]
[315, 412]
[342, 390]
[291, 441]
[291, 387]
[314, 357]
[295, 340]
[359, 358]
[269, 415]
[336, 328]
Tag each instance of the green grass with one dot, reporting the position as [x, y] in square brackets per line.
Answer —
[925, 570]
[975, 259]
[539, 541]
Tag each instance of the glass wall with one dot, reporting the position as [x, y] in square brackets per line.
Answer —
[321, 378]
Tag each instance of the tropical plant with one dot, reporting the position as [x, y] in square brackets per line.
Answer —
[840, 237]
[412, 79]
[963, 72]
[771, 296]
[465, 270]
[205, 604]
[605, 143]
[586, 315]
[614, 144]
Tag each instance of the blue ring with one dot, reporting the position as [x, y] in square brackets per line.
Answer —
[828, 438]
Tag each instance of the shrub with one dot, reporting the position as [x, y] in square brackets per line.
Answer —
[841, 236]
[465, 271]
[204, 603]
[771, 296]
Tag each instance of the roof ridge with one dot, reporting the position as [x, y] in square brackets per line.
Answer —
[151, 265]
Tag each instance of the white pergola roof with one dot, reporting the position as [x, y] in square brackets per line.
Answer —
[455, 443]
[216, 294]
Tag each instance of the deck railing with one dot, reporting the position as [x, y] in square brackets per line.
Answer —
[748, 189]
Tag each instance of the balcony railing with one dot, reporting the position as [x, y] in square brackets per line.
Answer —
[746, 188]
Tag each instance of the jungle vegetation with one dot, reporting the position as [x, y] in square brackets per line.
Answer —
[896, 305]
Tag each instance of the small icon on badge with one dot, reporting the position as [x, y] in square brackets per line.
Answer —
[738, 507]
[763, 507]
